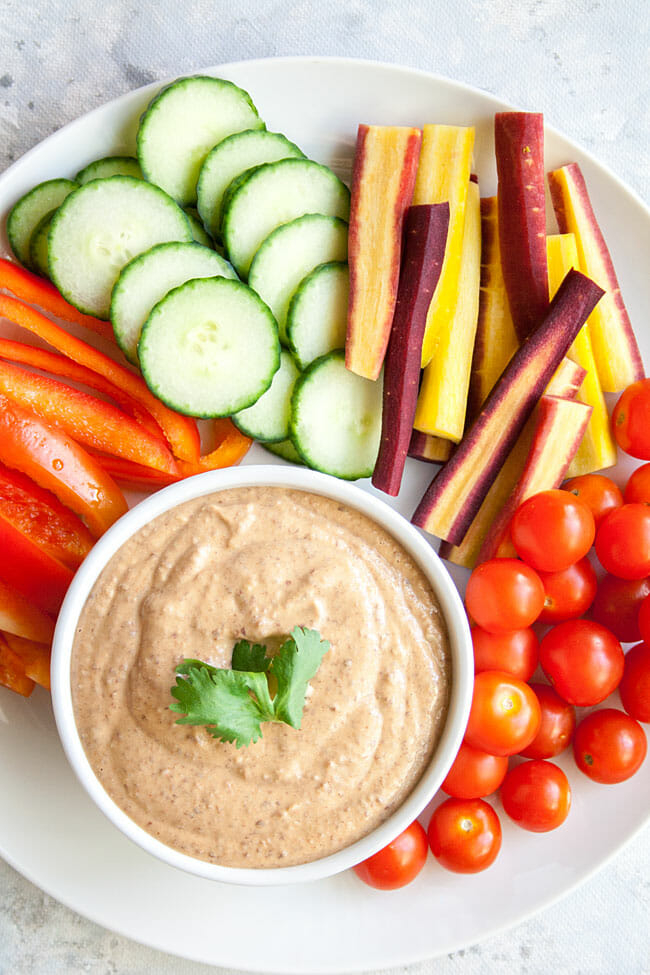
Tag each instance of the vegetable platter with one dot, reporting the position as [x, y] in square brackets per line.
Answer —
[71, 852]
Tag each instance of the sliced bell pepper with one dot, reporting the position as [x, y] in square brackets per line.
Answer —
[19, 616]
[38, 291]
[35, 657]
[12, 671]
[181, 431]
[52, 459]
[40, 515]
[91, 421]
[231, 447]
[32, 571]
[60, 365]
[135, 475]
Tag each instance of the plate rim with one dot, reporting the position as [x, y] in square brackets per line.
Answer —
[624, 188]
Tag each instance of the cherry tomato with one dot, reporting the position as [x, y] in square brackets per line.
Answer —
[552, 530]
[643, 620]
[398, 863]
[609, 746]
[505, 714]
[599, 493]
[465, 835]
[623, 542]
[536, 795]
[474, 773]
[583, 661]
[515, 652]
[617, 604]
[556, 727]
[635, 685]
[504, 594]
[631, 420]
[637, 489]
[568, 593]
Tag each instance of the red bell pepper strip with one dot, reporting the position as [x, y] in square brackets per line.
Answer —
[135, 475]
[40, 515]
[56, 462]
[12, 671]
[60, 365]
[39, 291]
[91, 421]
[231, 447]
[35, 658]
[181, 431]
[31, 570]
[19, 616]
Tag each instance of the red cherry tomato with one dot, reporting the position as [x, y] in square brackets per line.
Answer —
[515, 652]
[617, 604]
[552, 530]
[536, 795]
[637, 489]
[609, 746]
[623, 542]
[568, 593]
[556, 727]
[635, 685]
[599, 493]
[474, 773]
[504, 594]
[398, 863]
[631, 420]
[505, 714]
[643, 619]
[583, 661]
[465, 835]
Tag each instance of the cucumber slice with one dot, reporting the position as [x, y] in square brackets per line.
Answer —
[30, 209]
[273, 194]
[38, 245]
[290, 253]
[110, 166]
[183, 123]
[209, 348]
[268, 418]
[148, 278]
[284, 449]
[336, 418]
[101, 227]
[317, 316]
[198, 230]
[229, 159]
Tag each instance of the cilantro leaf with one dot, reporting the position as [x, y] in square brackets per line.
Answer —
[294, 665]
[250, 656]
[224, 701]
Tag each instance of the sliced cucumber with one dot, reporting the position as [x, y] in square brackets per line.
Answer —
[38, 245]
[290, 253]
[101, 227]
[149, 277]
[268, 418]
[183, 123]
[229, 159]
[284, 449]
[110, 166]
[336, 418]
[209, 348]
[198, 230]
[273, 194]
[30, 209]
[317, 316]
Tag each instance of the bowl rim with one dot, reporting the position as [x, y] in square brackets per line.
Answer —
[314, 482]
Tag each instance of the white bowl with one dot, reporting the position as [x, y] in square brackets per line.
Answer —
[462, 666]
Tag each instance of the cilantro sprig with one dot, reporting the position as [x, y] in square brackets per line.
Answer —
[234, 704]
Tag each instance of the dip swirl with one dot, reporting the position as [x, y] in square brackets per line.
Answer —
[253, 563]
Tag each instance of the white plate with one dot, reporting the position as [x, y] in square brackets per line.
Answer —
[49, 829]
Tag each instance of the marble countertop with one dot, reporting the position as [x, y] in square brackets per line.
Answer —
[586, 65]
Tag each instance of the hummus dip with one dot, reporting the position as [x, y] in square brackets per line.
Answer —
[254, 562]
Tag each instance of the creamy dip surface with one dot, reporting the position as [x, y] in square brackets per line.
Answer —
[254, 562]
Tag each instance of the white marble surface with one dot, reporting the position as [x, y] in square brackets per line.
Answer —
[586, 65]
